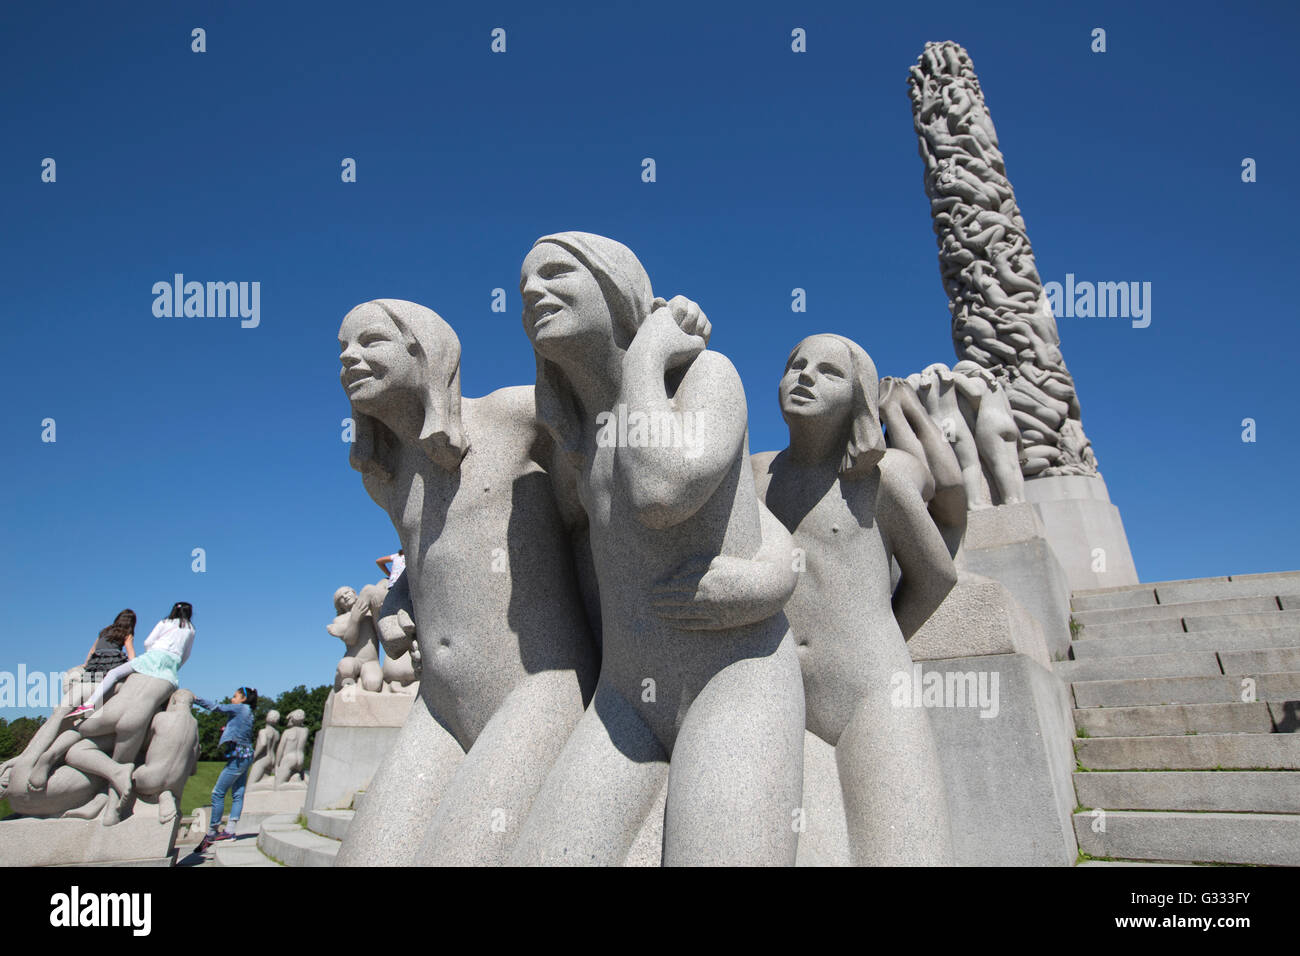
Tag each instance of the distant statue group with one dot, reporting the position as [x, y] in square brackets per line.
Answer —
[641, 644]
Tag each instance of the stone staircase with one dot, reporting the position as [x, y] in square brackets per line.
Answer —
[283, 840]
[1187, 699]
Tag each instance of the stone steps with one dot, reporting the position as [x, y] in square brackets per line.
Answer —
[1257, 639]
[1188, 663]
[1289, 619]
[1186, 697]
[1168, 720]
[236, 853]
[329, 823]
[1267, 839]
[283, 840]
[1191, 752]
[1184, 690]
[1245, 791]
[1185, 609]
[1176, 592]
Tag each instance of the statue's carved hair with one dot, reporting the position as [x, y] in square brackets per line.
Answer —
[865, 442]
[626, 288]
[435, 346]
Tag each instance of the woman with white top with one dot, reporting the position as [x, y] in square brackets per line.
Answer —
[166, 650]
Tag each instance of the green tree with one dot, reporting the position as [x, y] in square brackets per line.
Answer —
[7, 749]
[23, 730]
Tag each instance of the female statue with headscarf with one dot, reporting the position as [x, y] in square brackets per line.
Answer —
[719, 716]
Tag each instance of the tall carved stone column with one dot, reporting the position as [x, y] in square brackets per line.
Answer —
[1001, 319]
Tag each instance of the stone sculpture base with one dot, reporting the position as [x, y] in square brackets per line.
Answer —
[139, 840]
[1009, 544]
[357, 729]
[1010, 789]
[1079, 518]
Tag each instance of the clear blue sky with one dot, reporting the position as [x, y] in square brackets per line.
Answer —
[775, 170]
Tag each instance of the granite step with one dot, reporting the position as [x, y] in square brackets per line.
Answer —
[1198, 589]
[1131, 692]
[1192, 752]
[329, 823]
[1182, 641]
[1217, 607]
[1188, 664]
[283, 840]
[1253, 791]
[244, 853]
[1266, 839]
[1171, 720]
[1271, 620]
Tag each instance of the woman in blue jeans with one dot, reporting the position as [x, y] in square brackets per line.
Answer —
[237, 746]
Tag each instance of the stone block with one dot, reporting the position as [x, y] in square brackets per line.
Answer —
[30, 841]
[1008, 776]
[1079, 518]
[1008, 544]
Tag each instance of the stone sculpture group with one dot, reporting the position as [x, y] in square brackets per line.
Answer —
[657, 651]
[128, 761]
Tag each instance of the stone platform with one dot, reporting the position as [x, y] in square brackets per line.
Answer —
[139, 840]
[356, 732]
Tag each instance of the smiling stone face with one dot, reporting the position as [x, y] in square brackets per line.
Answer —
[376, 361]
[818, 380]
[563, 302]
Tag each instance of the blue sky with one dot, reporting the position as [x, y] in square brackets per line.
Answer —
[775, 170]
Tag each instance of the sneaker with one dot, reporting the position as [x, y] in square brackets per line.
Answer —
[223, 835]
[81, 711]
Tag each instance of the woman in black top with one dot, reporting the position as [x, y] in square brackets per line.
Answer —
[113, 647]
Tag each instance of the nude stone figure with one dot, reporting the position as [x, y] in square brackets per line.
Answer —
[291, 754]
[937, 388]
[910, 429]
[719, 715]
[106, 743]
[264, 749]
[996, 436]
[490, 593]
[171, 755]
[852, 512]
[354, 625]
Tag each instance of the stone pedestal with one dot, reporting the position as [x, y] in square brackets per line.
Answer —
[1009, 544]
[1080, 520]
[1003, 726]
[140, 839]
[356, 731]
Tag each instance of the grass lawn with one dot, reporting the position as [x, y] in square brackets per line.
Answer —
[4, 809]
[198, 789]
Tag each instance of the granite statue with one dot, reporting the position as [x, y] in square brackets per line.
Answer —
[852, 510]
[716, 717]
[264, 750]
[291, 752]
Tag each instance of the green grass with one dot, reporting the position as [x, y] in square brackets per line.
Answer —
[4, 808]
[198, 789]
